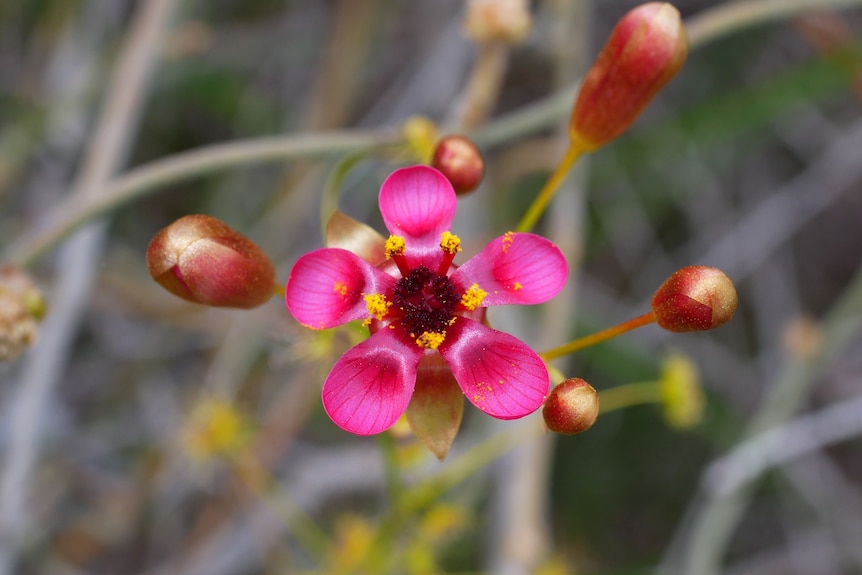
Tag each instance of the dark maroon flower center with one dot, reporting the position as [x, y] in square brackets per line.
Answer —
[425, 301]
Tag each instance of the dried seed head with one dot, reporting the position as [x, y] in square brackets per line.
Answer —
[22, 305]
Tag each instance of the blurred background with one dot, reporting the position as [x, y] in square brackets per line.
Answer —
[143, 434]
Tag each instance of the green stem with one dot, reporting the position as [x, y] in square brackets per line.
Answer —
[549, 190]
[391, 468]
[628, 395]
[598, 337]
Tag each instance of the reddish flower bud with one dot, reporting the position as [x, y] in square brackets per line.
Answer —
[460, 161]
[572, 407]
[203, 260]
[694, 298]
[646, 49]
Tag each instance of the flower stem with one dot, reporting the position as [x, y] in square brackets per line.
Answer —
[391, 468]
[278, 290]
[259, 483]
[599, 337]
[537, 208]
[629, 395]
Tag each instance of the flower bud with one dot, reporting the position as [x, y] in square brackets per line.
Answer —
[646, 49]
[572, 407]
[22, 305]
[694, 298]
[203, 260]
[460, 161]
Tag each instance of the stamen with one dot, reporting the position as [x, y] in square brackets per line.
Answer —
[473, 297]
[451, 245]
[377, 306]
[430, 339]
[395, 248]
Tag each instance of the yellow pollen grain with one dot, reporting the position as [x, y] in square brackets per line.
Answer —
[340, 288]
[430, 339]
[517, 286]
[377, 305]
[473, 297]
[507, 240]
[395, 246]
[450, 243]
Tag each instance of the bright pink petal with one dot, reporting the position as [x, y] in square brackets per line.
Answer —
[497, 372]
[516, 268]
[325, 287]
[419, 204]
[370, 386]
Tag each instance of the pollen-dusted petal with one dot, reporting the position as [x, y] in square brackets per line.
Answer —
[516, 268]
[497, 372]
[326, 286]
[418, 203]
[370, 386]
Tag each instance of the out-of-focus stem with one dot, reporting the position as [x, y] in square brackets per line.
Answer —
[628, 395]
[713, 524]
[391, 467]
[105, 153]
[730, 17]
[599, 337]
[74, 212]
[483, 87]
[549, 190]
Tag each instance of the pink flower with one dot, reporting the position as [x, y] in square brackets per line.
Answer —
[418, 305]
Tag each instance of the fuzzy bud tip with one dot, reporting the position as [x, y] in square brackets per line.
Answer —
[572, 407]
[202, 260]
[695, 298]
